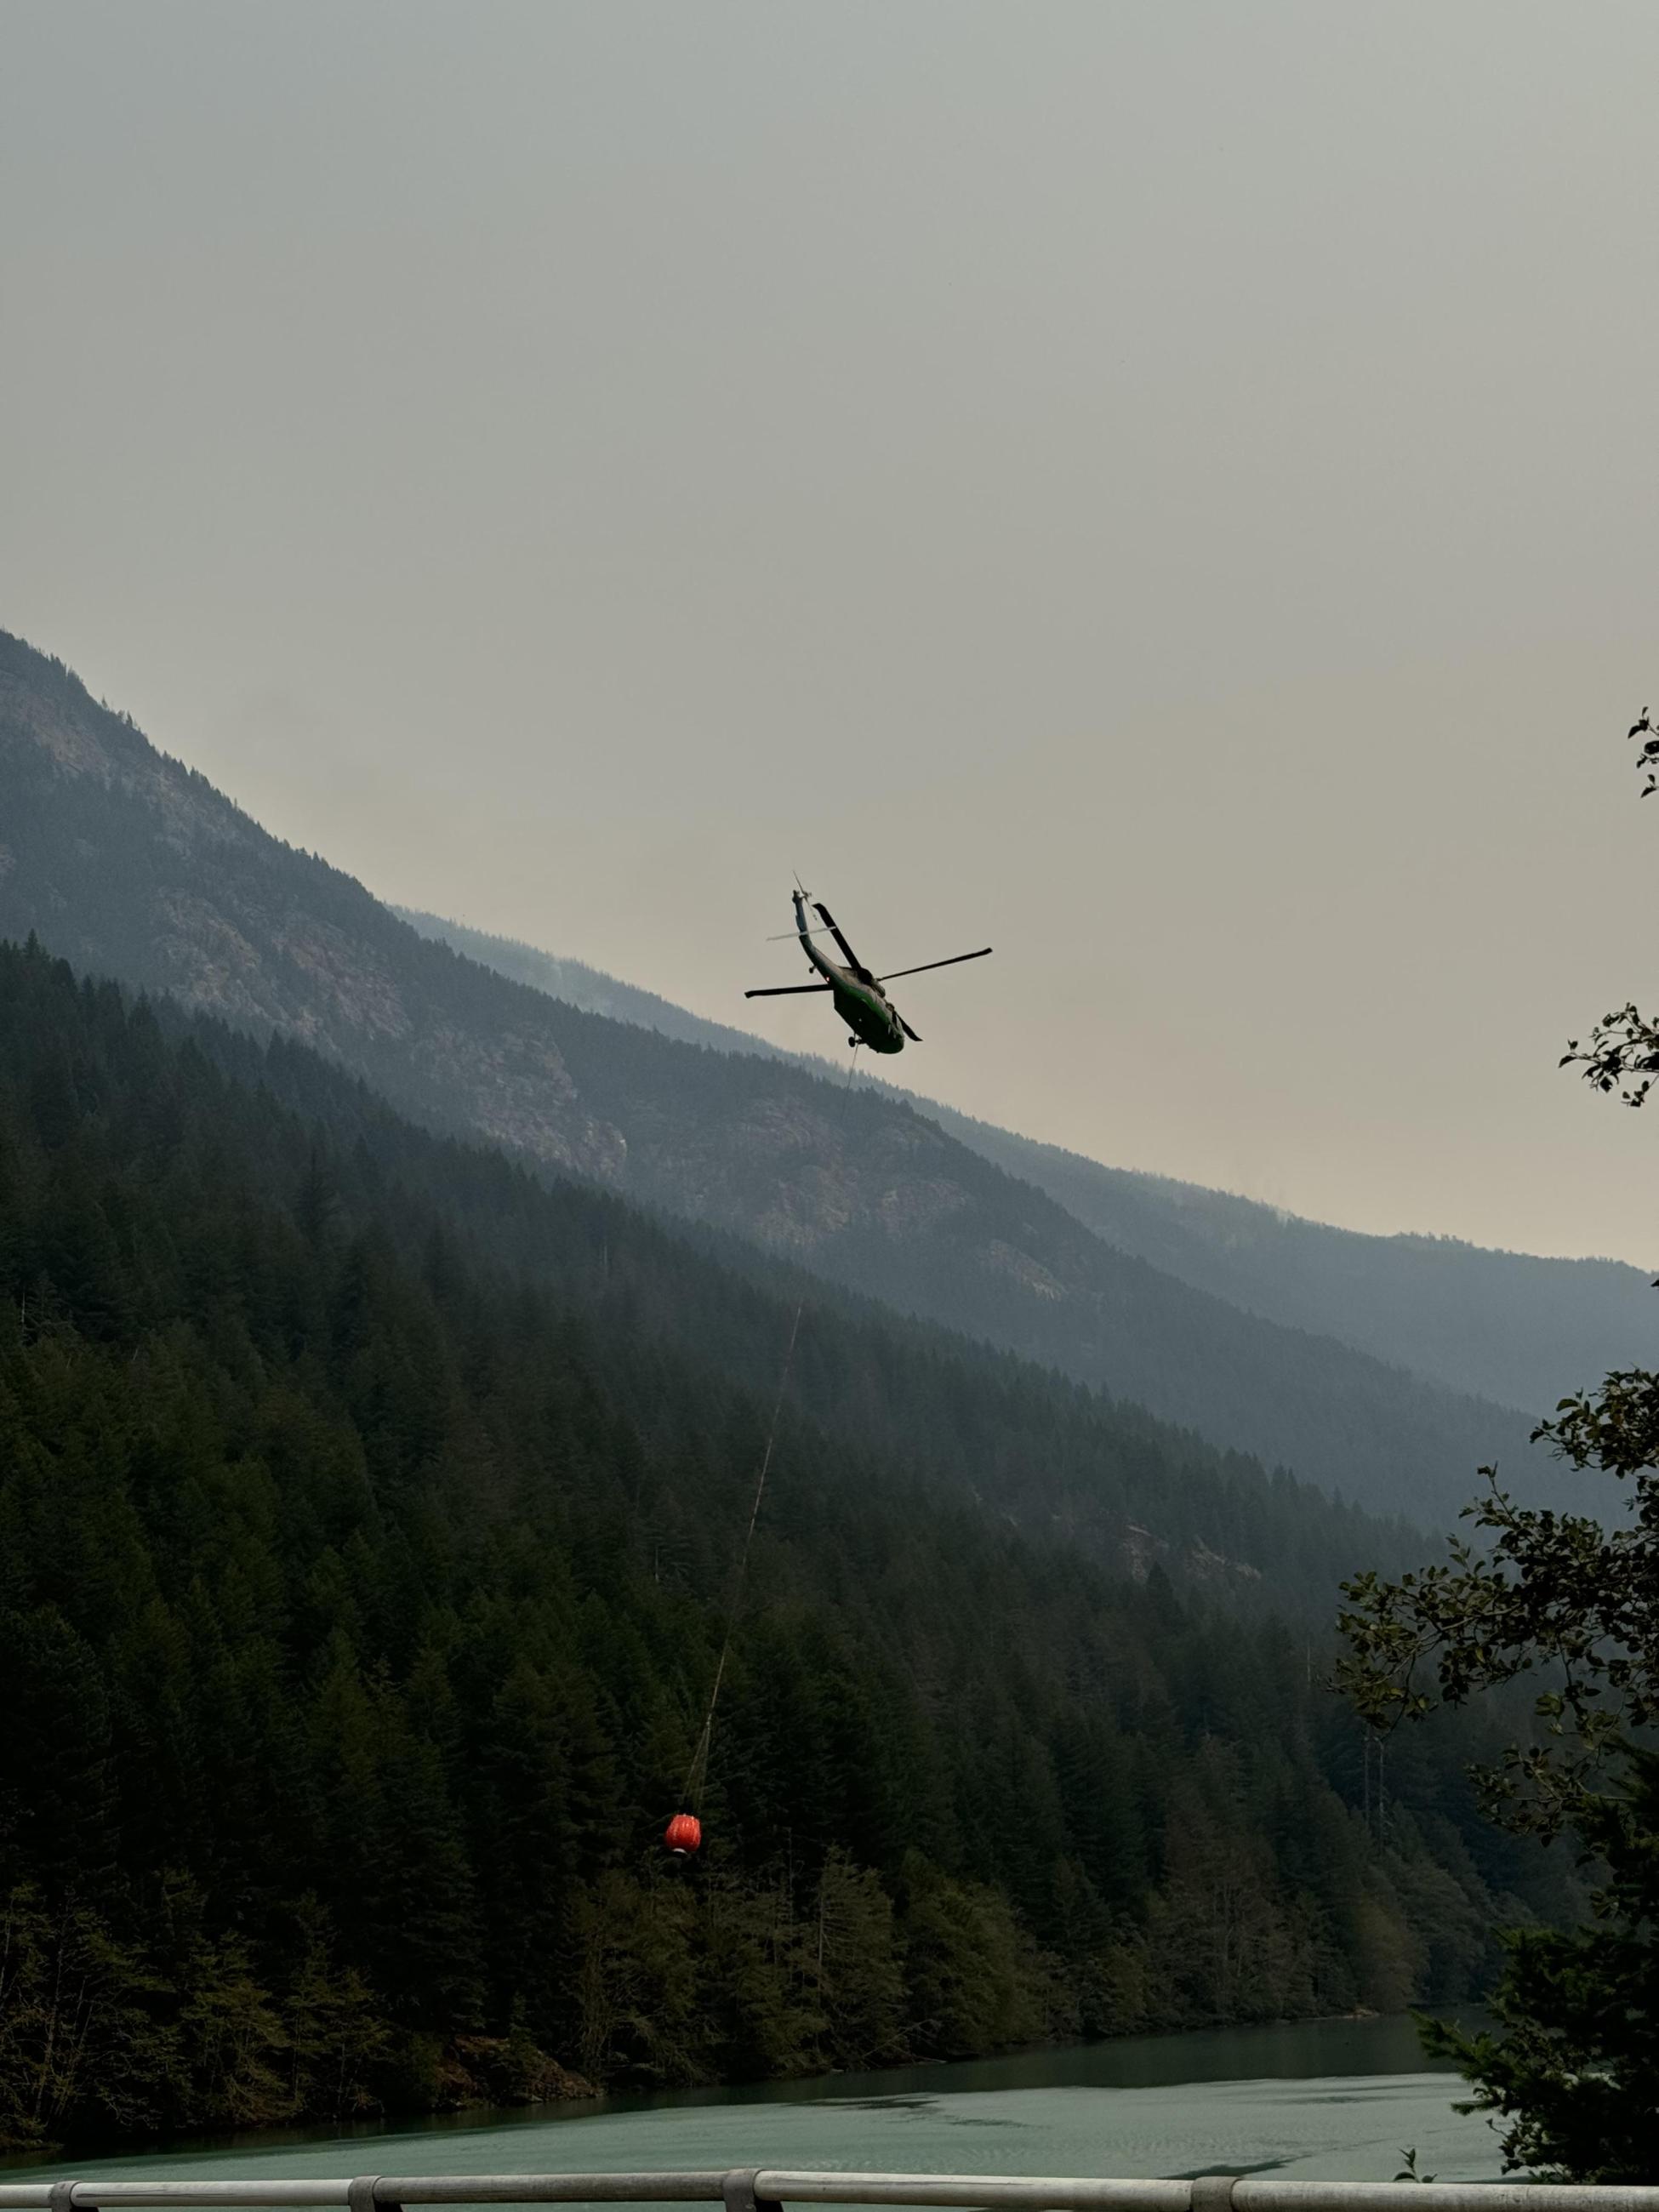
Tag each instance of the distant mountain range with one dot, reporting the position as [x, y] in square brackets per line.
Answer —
[1507, 1326]
[132, 864]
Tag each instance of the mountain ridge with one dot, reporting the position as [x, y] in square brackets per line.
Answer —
[1474, 1317]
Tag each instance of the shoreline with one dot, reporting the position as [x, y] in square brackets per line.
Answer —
[585, 2102]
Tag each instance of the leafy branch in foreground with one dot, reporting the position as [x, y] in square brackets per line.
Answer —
[1575, 2072]
[1551, 1591]
[1622, 1054]
[1643, 727]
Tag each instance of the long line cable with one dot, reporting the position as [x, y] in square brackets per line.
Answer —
[847, 1092]
[697, 1774]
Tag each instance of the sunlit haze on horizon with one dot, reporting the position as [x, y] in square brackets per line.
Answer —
[1168, 491]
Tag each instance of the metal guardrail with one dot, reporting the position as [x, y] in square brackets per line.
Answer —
[763, 2189]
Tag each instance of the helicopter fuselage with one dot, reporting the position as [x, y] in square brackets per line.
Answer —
[859, 1000]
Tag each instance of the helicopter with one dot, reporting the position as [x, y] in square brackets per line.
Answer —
[871, 1017]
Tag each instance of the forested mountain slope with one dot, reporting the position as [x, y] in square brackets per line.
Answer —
[132, 864]
[365, 1542]
[1037, 1452]
[1507, 1326]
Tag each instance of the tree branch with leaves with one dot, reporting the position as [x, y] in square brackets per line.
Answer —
[1621, 1053]
[1571, 2072]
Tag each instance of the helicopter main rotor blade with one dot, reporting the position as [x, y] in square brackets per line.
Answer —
[908, 1032]
[847, 953]
[788, 990]
[955, 959]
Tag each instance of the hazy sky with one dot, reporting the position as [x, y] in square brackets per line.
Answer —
[1167, 488]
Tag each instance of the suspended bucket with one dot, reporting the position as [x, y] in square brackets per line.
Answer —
[683, 1834]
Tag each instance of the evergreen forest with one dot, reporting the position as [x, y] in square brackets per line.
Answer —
[369, 1512]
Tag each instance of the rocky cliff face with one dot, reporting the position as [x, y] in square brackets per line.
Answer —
[128, 862]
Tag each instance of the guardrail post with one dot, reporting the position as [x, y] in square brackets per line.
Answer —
[738, 2190]
[1214, 2193]
[361, 2197]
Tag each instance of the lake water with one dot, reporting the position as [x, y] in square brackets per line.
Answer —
[1329, 2100]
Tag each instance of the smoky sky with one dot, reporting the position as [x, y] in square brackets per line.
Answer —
[1167, 488]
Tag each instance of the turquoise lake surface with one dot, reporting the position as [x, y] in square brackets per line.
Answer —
[1326, 2100]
